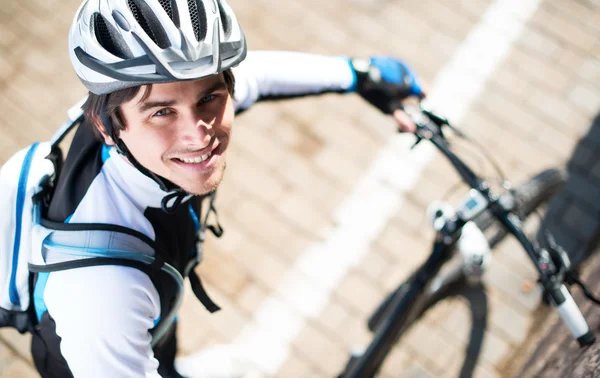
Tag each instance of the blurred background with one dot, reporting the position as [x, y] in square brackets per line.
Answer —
[521, 77]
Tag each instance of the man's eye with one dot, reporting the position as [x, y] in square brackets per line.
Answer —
[162, 113]
[208, 98]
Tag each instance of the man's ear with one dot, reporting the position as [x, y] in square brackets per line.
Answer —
[107, 139]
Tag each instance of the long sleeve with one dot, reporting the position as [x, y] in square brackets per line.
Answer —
[283, 74]
[103, 316]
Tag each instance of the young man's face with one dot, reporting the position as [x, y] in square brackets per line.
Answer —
[181, 131]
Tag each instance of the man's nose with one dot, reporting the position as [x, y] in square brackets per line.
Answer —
[200, 128]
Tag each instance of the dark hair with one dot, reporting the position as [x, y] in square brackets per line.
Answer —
[94, 105]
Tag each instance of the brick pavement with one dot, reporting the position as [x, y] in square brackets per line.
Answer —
[293, 163]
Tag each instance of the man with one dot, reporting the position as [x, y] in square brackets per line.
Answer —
[163, 94]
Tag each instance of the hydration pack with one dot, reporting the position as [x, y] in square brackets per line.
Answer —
[31, 244]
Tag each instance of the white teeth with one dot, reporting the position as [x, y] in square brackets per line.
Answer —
[196, 160]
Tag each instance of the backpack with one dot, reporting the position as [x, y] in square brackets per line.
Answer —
[30, 244]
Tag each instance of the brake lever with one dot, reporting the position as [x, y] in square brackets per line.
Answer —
[419, 139]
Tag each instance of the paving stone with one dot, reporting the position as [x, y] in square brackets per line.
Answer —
[19, 343]
[558, 113]
[230, 321]
[401, 247]
[539, 43]
[20, 369]
[359, 293]
[458, 321]
[263, 221]
[571, 59]
[223, 272]
[402, 21]
[556, 141]
[295, 367]
[590, 69]
[194, 328]
[6, 356]
[374, 265]
[427, 341]
[332, 316]
[338, 167]
[510, 82]
[513, 325]
[445, 17]
[582, 12]
[538, 71]
[586, 98]
[353, 331]
[486, 372]
[566, 30]
[304, 214]
[395, 363]
[314, 345]
[417, 372]
[494, 349]
[251, 297]
[509, 283]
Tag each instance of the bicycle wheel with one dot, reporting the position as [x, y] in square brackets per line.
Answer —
[523, 200]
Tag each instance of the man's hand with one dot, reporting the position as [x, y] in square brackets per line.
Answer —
[405, 124]
[385, 82]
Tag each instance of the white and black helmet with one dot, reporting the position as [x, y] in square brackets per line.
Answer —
[116, 44]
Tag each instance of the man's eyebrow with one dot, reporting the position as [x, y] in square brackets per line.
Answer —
[163, 104]
[156, 104]
[216, 87]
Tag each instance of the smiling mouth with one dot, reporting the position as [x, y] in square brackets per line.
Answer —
[196, 160]
[215, 150]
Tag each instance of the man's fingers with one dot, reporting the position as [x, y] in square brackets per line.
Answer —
[405, 124]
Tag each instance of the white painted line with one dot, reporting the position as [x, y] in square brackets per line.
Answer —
[306, 287]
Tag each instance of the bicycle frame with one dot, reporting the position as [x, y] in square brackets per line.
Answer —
[403, 308]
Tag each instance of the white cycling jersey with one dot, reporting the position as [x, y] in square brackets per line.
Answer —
[95, 321]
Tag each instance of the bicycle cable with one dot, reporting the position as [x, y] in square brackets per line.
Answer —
[482, 150]
[572, 277]
[478, 148]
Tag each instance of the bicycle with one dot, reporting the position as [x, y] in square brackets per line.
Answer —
[461, 234]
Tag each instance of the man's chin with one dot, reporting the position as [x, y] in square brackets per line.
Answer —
[203, 186]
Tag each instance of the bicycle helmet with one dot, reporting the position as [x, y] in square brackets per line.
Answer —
[116, 44]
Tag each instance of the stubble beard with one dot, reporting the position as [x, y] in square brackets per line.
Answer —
[208, 187]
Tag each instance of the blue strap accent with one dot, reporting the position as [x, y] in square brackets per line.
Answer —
[194, 217]
[352, 87]
[40, 285]
[38, 295]
[105, 154]
[13, 293]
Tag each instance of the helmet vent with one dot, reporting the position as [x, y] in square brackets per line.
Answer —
[198, 17]
[225, 20]
[175, 12]
[144, 15]
[166, 4]
[109, 38]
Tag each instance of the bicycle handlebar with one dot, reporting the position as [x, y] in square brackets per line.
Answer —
[429, 127]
